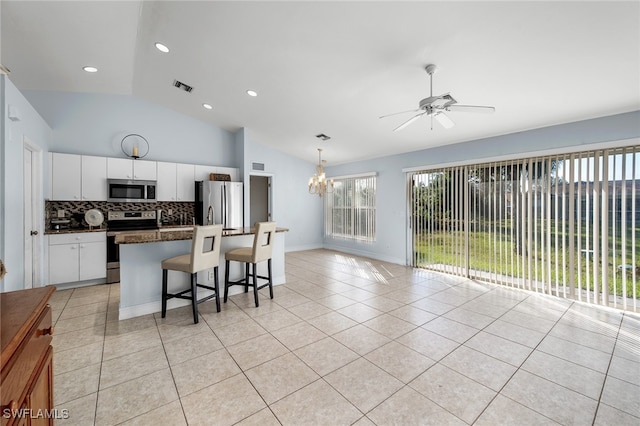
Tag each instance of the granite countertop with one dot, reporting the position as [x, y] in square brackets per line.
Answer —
[49, 231]
[176, 234]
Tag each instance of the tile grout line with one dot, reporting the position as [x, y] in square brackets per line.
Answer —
[606, 374]
[499, 392]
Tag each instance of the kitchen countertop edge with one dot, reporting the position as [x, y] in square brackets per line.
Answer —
[156, 236]
[73, 231]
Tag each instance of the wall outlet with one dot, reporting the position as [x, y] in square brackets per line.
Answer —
[170, 212]
[61, 213]
[211, 277]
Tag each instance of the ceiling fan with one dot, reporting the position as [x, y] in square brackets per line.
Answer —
[435, 106]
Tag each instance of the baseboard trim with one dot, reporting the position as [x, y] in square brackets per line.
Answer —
[364, 253]
[154, 307]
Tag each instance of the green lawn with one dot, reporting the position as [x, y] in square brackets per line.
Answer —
[443, 247]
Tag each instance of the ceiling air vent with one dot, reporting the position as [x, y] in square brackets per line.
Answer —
[259, 167]
[323, 137]
[180, 85]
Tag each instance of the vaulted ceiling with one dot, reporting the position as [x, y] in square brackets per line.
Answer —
[334, 67]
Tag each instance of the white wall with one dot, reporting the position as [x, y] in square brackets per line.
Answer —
[32, 126]
[391, 199]
[293, 206]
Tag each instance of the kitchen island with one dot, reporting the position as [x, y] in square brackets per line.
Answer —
[141, 275]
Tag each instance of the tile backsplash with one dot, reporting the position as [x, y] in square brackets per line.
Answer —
[181, 212]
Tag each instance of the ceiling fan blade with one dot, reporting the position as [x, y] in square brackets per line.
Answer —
[444, 120]
[398, 113]
[409, 121]
[471, 108]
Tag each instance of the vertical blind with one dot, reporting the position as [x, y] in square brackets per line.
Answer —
[350, 210]
[566, 225]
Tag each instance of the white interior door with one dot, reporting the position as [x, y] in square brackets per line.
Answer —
[32, 164]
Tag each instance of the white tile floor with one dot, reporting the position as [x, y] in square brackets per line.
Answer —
[349, 340]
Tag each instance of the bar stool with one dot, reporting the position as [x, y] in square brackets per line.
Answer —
[199, 259]
[261, 251]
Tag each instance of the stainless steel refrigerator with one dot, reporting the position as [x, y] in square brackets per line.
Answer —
[219, 202]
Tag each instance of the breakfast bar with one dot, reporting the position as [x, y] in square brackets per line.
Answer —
[141, 275]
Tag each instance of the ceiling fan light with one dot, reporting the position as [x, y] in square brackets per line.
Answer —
[90, 69]
[252, 93]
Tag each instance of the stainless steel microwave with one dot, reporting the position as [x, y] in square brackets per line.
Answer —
[131, 191]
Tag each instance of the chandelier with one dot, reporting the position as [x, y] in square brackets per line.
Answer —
[318, 183]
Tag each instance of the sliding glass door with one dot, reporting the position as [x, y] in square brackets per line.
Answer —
[567, 225]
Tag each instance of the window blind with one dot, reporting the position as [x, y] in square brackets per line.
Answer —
[350, 210]
[566, 225]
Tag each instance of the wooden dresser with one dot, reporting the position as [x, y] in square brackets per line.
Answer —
[26, 381]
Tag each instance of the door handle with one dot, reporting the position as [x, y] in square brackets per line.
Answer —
[34, 232]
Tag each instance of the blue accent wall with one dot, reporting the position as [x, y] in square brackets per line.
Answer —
[96, 123]
[391, 198]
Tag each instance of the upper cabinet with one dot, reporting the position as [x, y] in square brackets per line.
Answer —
[144, 170]
[66, 175]
[94, 178]
[166, 185]
[84, 177]
[185, 186]
[78, 177]
[126, 168]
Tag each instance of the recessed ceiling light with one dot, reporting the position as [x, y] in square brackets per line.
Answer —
[252, 93]
[161, 47]
[90, 69]
[207, 106]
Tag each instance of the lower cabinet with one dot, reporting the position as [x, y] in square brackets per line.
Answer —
[77, 257]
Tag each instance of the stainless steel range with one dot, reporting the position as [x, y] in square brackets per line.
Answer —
[120, 222]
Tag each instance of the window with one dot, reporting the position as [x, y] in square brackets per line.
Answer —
[350, 210]
[567, 225]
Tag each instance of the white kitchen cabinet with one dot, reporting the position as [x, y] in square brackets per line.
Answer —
[144, 170]
[77, 257]
[119, 168]
[167, 181]
[78, 177]
[65, 177]
[185, 182]
[126, 168]
[64, 263]
[93, 260]
[94, 178]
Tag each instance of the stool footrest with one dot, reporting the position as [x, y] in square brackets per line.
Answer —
[250, 279]
[180, 295]
[193, 293]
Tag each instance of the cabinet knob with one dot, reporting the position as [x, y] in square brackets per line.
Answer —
[46, 331]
